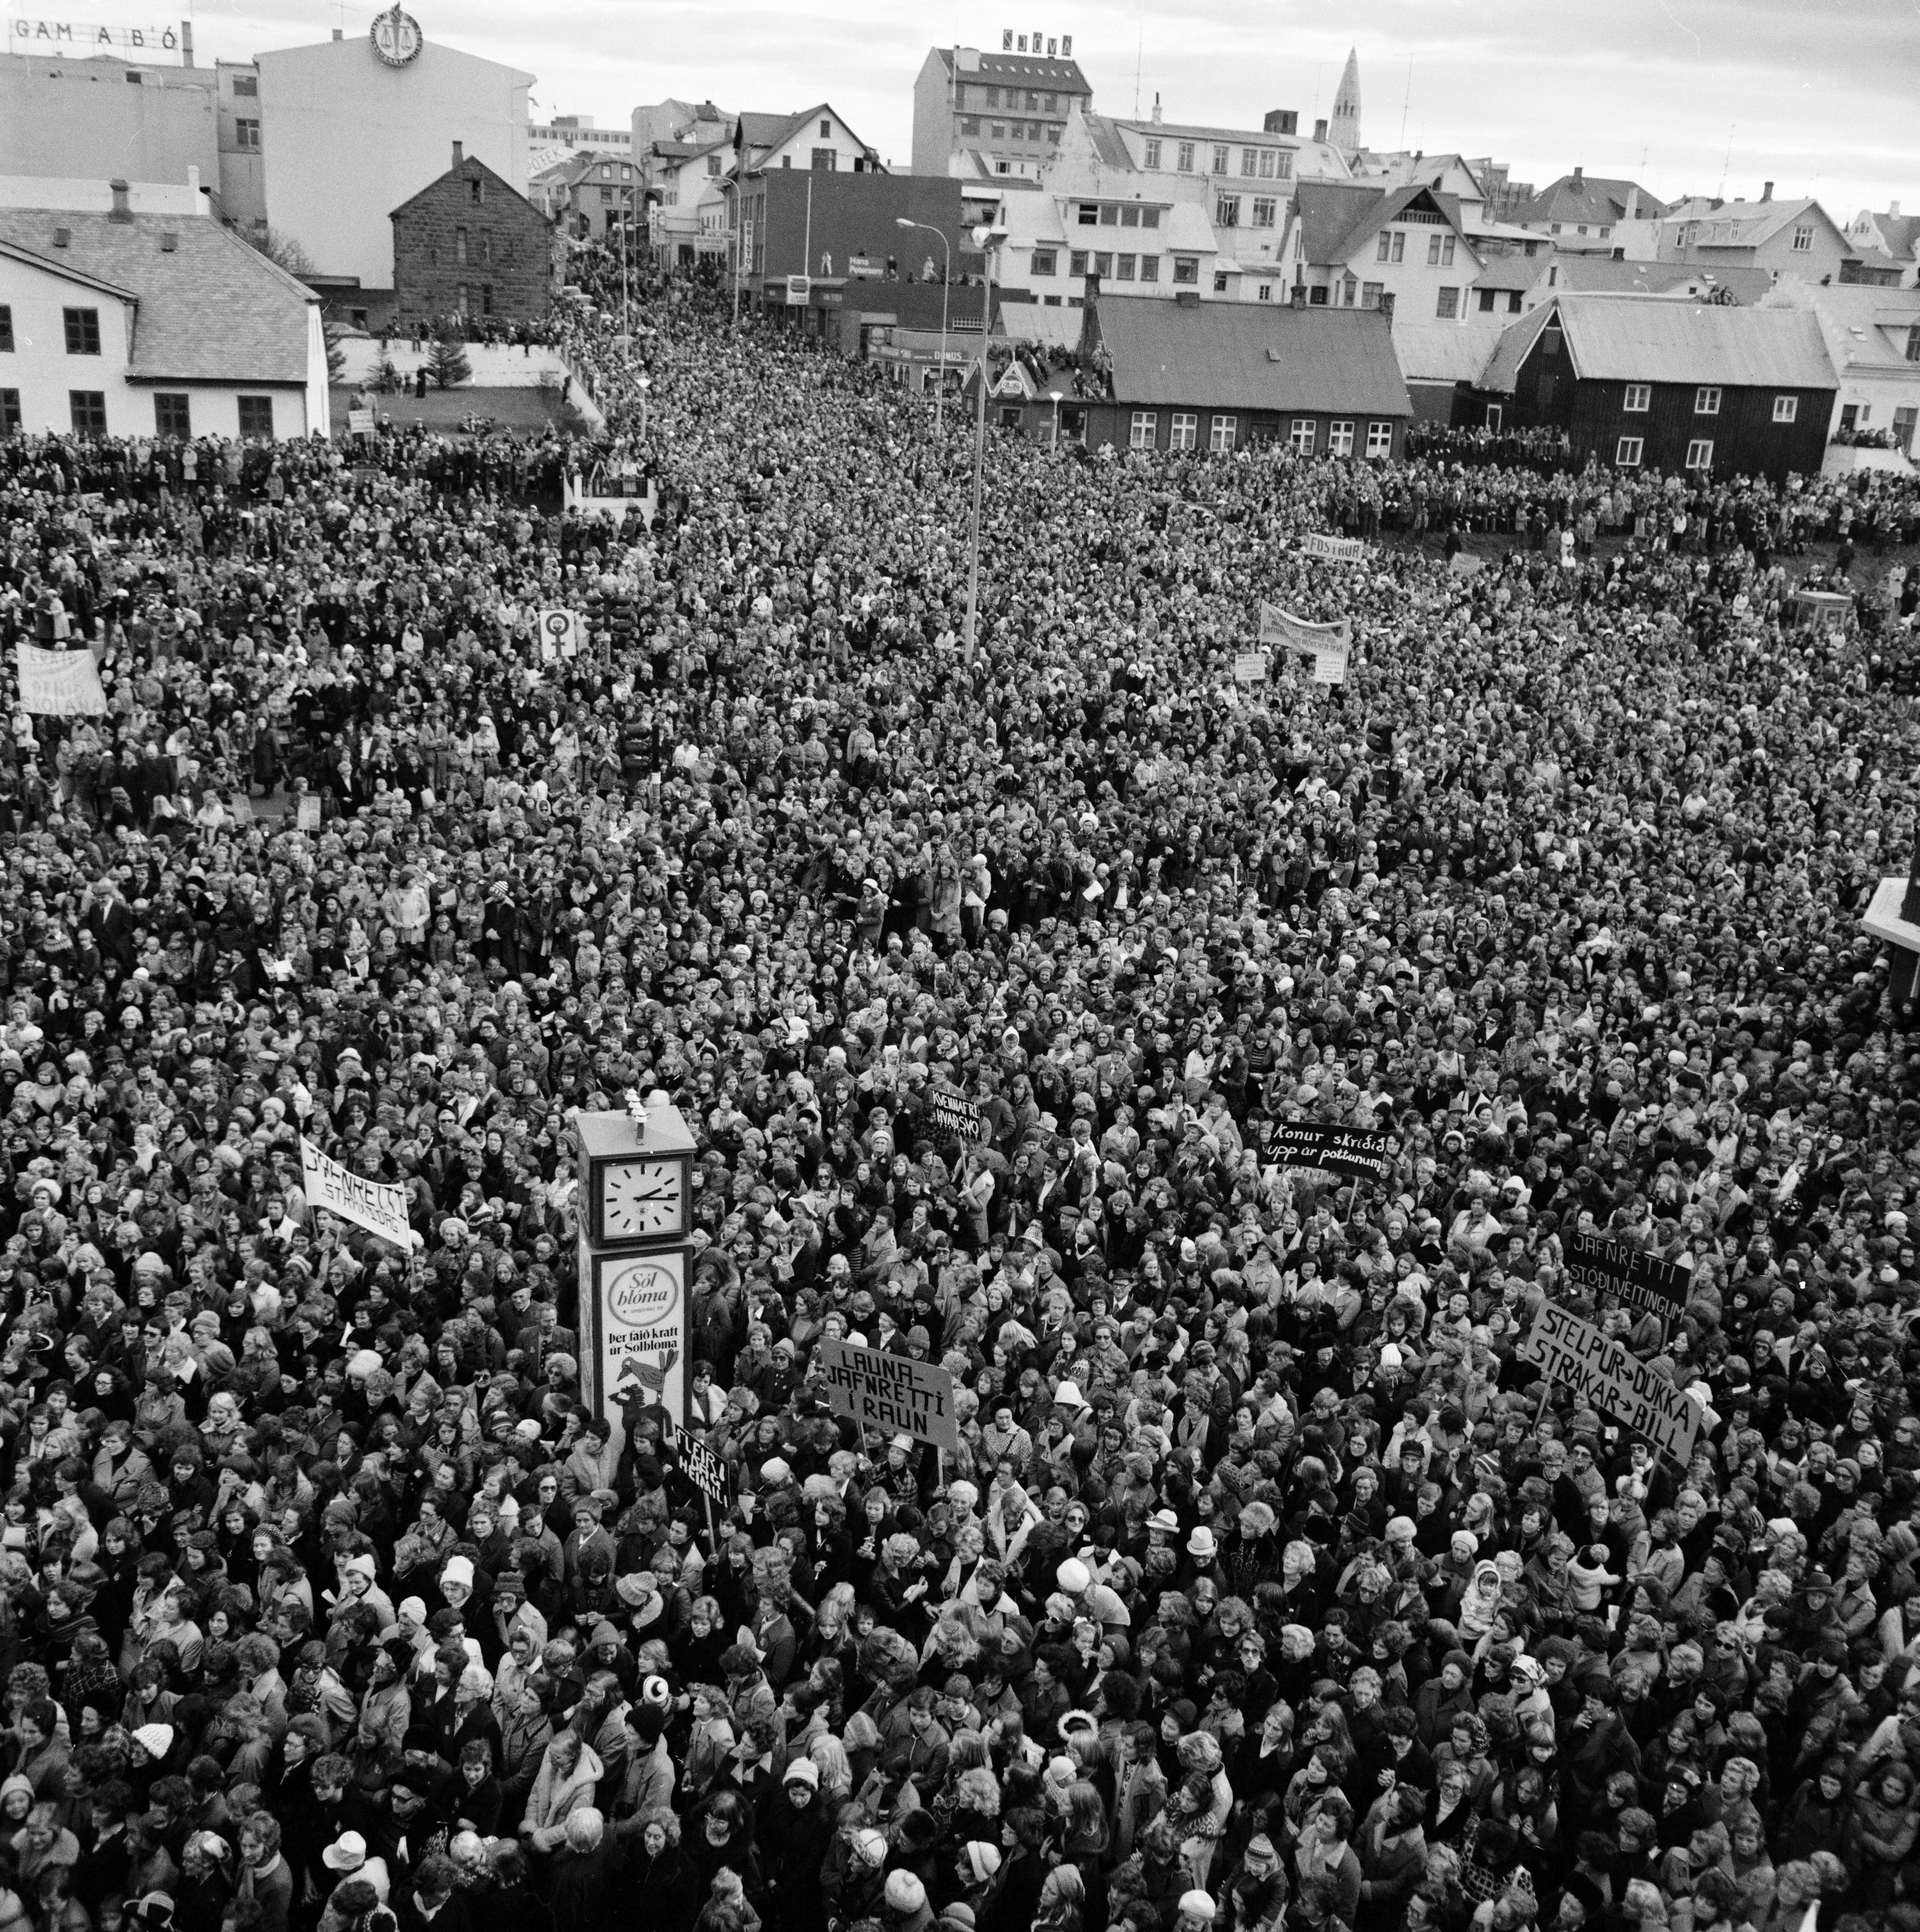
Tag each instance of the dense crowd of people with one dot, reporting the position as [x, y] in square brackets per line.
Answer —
[1269, 1587]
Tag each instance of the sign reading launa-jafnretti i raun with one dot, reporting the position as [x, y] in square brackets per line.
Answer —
[892, 1393]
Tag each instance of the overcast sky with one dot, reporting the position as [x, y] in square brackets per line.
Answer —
[1818, 96]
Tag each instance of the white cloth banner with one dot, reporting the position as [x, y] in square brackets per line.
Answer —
[372, 1204]
[59, 684]
[1330, 646]
[1332, 550]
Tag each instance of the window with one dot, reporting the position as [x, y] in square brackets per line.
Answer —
[89, 411]
[1123, 269]
[460, 299]
[83, 332]
[1495, 415]
[713, 160]
[1183, 158]
[246, 86]
[1283, 165]
[1150, 267]
[1913, 342]
[1053, 134]
[1226, 210]
[460, 234]
[1349, 290]
[1103, 264]
[1146, 426]
[9, 412]
[1640, 398]
[247, 136]
[1186, 271]
[1033, 102]
[1249, 161]
[1129, 216]
[1266, 164]
[1152, 154]
[1803, 239]
[998, 130]
[1700, 454]
[1220, 435]
[826, 128]
[171, 415]
[1220, 161]
[1150, 218]
[1486, 301]
[825, 160]
[971, 125]
[1449, 305]
[1185, 430]
[1076, 262]
[1370, 293]
[1265, 210]
[1044, 262]
[1266, 292]
[1440, 251]
[1219, 281]
[993, 97]
[1383, 249]
[1380, 439]
[1785, 409]
[606, 201]
[257, 416]
[486, 298]
[476, 191]
[1089, 214]
[1339, 439]
[486, 247]
[1627, 455]
[1301, 435]
[6, 330]
[1706, 402]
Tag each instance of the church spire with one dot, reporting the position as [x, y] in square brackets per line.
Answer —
[1344, 133]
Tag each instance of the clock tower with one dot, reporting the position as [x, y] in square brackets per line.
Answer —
[636, 1260]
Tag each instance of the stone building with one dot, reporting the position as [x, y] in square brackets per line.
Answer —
[468, 244]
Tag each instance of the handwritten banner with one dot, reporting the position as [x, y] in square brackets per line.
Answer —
[1575, 1354]
[1330, 646]
[699, 1465]
[1249, 667]
[59, 684]
[1367, 1153]
[372, 1204]
[1332, 550]
[953, 1118]
[892, 1393]
[1641, 1280]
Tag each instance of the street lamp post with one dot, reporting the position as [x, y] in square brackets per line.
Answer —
[983, 239]
[946, 277]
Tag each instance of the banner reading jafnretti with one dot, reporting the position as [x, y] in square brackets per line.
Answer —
[1641, 1280]
[1575, 1354]
[59, 684]
[1367, 1153]
[892, 1393]
[372, 1204]
[1330, 646]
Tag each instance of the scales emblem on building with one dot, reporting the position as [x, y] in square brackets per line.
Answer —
[397, 37]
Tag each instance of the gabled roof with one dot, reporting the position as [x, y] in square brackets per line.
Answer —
[1258, 355]
[1108, 146]
[1511, 271]
[1040, 70]
[472, 168]
[1338, 218]
[1503, 366]
[1590, 198]
[1751, 224]
[1614, 338]
[66, 272]
[1600, 275]
[759, 134]
[211, 308]
[1445, 352]
[1309, 153]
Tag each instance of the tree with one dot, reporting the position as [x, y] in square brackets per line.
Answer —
[447, 363]
[336, 355]
[281, 250]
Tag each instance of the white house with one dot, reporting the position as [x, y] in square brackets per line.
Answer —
[1873, 335]
[126, 325]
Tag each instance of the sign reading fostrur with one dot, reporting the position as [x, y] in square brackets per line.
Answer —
[372, 1204]
[1366, 1152]
[1641, 1280]
[893, 1393]
[1576, 1354]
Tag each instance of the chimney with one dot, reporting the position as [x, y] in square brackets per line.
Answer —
[1093, 291]
[123, 206]
[1319, 131]
[1633, 203]
[1580, 179]
[1281, 121]
[1893, 209]
[338, 35]
[186, 43]
[459, 153]
[1300, 295]
[193, 185]
[1387, 303]
[63, 238]
[1157, 110]
[1766, 191]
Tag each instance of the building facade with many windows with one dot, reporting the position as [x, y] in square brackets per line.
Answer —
[994, 114]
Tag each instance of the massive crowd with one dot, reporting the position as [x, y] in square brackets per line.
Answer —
[1269, 1587]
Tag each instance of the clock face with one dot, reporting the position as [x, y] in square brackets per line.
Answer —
[639, 1198]
[397, 37]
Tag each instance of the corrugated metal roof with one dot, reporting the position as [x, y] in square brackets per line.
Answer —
[1503, 366]
[1661, 341]
[1257, 355]
[1445, 352]
[1031, 321]
[211, 308]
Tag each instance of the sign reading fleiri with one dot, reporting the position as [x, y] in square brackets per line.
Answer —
[699, 1465]
[372, 1204]
[892, 1393]
[1641, 1280]
[1364, 1152]
[1576, 1354]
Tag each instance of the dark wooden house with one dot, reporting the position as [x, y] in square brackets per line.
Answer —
[1648, 382]
[467, 244]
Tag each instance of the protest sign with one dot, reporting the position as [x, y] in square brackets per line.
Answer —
[1640, 1280]
[560, 635]
[360, 422]
[953, 1118]
[1330, 646]
[307, 812]
[892, 1393]
[59, 684]
[380, 1209]
[1249, 667]
[1332, 550]
[1462, 563]
[699, 1465]
[1575, 1354]
[1364, 1152]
